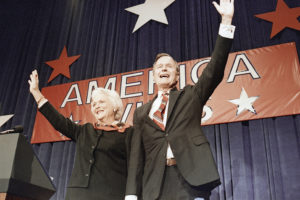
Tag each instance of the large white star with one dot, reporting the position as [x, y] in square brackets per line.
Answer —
[151, 9]
[4, 119]
[244, 102]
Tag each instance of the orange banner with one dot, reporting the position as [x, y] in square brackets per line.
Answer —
[258, 83]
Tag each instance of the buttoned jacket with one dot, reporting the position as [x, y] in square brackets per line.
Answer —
[87, 139]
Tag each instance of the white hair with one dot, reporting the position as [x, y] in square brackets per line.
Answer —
[114, 98]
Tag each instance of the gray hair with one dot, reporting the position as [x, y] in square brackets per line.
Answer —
[159, 55]
[114, 98]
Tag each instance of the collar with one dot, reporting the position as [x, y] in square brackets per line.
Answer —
[160, 93]
[120, 127]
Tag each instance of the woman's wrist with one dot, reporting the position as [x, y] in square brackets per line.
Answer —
[40, 99]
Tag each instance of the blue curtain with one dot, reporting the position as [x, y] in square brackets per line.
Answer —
[257, 159]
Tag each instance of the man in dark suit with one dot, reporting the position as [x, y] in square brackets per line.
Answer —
[171, 157]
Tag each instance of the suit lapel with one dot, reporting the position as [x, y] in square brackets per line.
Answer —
[174, 94]
[146, 111]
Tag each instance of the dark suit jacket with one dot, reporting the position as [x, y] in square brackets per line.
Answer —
[100, 167]
[188, 143]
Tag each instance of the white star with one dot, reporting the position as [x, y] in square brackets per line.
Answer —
[151, 9]
[4, 119]
[244, 102]
[71, 118]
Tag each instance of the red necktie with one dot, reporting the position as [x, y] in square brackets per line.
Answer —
[158, 116]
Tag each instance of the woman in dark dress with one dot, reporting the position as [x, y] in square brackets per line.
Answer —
[100, 167]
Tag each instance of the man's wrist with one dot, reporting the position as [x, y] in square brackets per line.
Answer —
[226, 31]
[226, 20]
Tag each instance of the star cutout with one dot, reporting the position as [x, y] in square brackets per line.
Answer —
[71, 118]
[151, 9]
[282, 17]
[244, 102]
[4, 119]
[62, 64]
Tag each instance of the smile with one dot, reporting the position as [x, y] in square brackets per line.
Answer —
[99, 111]
[164, 76]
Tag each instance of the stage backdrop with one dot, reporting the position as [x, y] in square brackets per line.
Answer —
[257, 159]
[258, 83]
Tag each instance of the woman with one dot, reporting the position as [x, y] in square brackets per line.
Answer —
[100, 167]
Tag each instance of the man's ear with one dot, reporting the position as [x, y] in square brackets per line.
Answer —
[177, 76]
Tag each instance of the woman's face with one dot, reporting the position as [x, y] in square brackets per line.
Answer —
[102, 109]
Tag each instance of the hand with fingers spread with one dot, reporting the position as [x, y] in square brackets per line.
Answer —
[34, 86]
[226, 10]
[34, 81]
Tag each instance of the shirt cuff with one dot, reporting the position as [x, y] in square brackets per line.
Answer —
[226, 31]
[131, 197]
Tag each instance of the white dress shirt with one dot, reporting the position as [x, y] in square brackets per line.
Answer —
[154, 108]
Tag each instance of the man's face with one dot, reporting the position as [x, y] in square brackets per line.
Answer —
[165, 73]
[102, 108]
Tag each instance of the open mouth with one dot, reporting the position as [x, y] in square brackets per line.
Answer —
[99, 111]
[164, 76]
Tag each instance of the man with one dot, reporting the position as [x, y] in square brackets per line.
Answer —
[170, 157]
